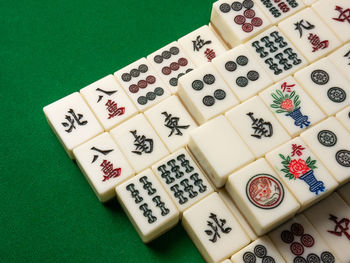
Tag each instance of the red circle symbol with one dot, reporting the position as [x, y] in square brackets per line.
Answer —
[249, 13]
[166, 70]
[150, 79]
[307, 240]
[239, 19]
[133, 88]
[183, 62]
[142, 84]
[247, 27]
[257, 21]
[297, 248]
[174, 66]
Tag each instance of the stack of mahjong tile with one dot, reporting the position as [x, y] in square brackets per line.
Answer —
[238, 130]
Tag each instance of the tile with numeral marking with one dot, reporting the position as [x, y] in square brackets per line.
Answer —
[147, 205]
[213, 229]
[72, 121]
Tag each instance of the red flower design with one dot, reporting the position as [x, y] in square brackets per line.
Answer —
[298, 168]
[287, 104]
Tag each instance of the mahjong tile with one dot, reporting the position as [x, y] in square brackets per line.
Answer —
[147, 205]
[309, 2]
[261, 250]
[237, 214]
[257, 126]
[344, 192]
[309, 34]
[182, 179]
[242, 72]
[103, 165]
[219, 149]
[72, 121]
[213, 229]
[292, 106]
[108, 101]
[326, 85]
[139, 142]
[261, 196]
[202, 45]
[237, 21]
[276, 53]
[171, 62]
[331, 218]
[172, 122]
[330, 141]
[336, 14]
[302, 172]
[341, 59]
[218, 37]
[298, 241]
[344, 117]
[142, 84]
[205, 93]
[279, 10]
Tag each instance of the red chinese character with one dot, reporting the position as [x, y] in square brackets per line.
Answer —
[316, 43]
[285, 86]
[344, 15]
[109, 172]
[113, 109]
[210, 54]
[297, 149]
[341, 227]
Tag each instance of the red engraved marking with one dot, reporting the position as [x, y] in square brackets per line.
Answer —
[247, 27]
[182, 62]
[249, 13]
[113, 109]
[257, 21]
[209, 54]
[307, 240]
[297, 149]
[297, 248]
[109, 172]
[297, 229]
[239, 19]
[174, 66]
[133, 88]
[142, 84]
[317, 43]
[285, 87]
[166, 70]
[150, 79]
[283, 6]
[341, 226]
[344, 15]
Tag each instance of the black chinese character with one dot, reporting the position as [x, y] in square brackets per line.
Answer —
[109, 93]
[76, 118]
[260, 127]
[216, 225]
[104, 152]
[301, 25]
[173, 124]
[142, 144]
[199, 43]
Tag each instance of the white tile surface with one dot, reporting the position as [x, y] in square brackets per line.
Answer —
[341, 59]
[72, 121]
[344, 117]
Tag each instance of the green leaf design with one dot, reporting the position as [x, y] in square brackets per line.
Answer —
[285, 170]
[292, 94]
[274, 96]
[277, 101]
[281, 111]
[308, 160]
[280, 93]
[281, 155]
[288, 159]
[274, 106]
[296, 98]
[297, 103]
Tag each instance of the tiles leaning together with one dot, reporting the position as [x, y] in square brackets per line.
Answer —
[268, 120]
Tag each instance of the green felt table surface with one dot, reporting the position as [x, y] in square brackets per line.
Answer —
[48, 50]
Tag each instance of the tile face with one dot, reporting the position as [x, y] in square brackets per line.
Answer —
[331, 218]
[335, 13]
[142, 84]
[147, 205]
[172, 122]
[276, 53]
[344, 192]
[292, 106]
[182, 179]
[213, 229]
[309, 2]
[344, 117]
[202, 45]
[242, 72]
[103, 165]
[260, 251]
[331, 143]
[302, 172]
[279, 10]
[309, 34]
[170, 63]
[298, 241]
[261, 196]
[205, 93]
[72, 121]
[341, 59]
[108, 101]
[139, 142]
[237, 214]
[219, 149]
[257, 126]
[326, 85]
[237, 21]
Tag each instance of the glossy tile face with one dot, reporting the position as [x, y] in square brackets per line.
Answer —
[202, 45]
[292, 106]
[237, 21]
[171, 62]
[213, 229]
[343, 117]
[341, 59]
[72, 121]
[142, 84]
